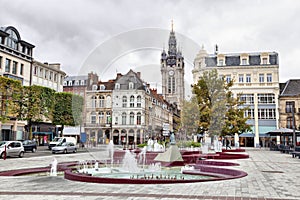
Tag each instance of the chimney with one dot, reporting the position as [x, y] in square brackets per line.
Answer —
[138, 74]
[119, 75]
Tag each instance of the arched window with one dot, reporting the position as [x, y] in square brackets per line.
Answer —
[117, 86]
[138, 118]
[101, 101]
[139, 101]
[131, 85]
[123, 118]
[108, 101]
[131, 104]
[94, 102]
[12, 40]
[131, 119]
[124, 101]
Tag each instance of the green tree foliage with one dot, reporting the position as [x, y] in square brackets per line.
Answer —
[10, 98]
[37, 105]
[67, 109]
[220, 112]
[190, 116]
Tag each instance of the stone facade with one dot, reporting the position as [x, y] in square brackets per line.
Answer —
[255, 76]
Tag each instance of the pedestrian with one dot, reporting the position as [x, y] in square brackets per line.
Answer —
[227, 144]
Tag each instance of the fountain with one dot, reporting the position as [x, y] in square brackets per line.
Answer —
[141, 167]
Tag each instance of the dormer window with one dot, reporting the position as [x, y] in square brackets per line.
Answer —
[102, 87]
[221, 60]
[131, 85]
[65, 83]
[94, 87]
[117, 86]
[264, 59]
[76, 82]
[244, 59]
[70, 83]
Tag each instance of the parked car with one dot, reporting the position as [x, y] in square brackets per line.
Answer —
[65, 147]
[60, 140]
[30, 145]
[11, 148]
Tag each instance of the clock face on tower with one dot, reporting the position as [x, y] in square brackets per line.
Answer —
[171, 72]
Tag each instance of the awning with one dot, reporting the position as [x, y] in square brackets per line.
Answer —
[42, 133]
[253, 135]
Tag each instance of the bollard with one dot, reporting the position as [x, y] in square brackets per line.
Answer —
[4, 157]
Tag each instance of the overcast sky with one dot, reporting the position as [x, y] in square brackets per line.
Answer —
[75, 32]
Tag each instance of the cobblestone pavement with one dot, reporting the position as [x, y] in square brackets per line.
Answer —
[271, 175]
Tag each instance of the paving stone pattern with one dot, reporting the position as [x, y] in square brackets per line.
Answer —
[271, 175]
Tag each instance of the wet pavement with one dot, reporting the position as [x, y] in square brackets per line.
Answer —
[271, 175]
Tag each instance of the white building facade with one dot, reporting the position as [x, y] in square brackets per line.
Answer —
[256, 77]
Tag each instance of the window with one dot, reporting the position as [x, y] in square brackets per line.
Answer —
[248, 78]
[12, 40]
[289, 105]
[35, 71]
[94, 102]
[249, 113]
[247, 98]
[22, 69]
[289, 122]
[46, 74]
[102, 87]
[55, 77]
[101, 117]
[108, 117]
[108, 102]
[244, 61]
[261, 78]
[221, 62]
[131, 85]
[269, 78]
[93, 119]
[138, 104]
[138, 118]
[123, 118]
[101, 101]
[70, 83]
[82, 82]
[124, 101]
[131, 104]
[41, 72]
[241, 78]
[266, 113]
[131, 119]
[265, 61]
[7, 65]
[14, 67]
[171, 85]
[0, 61]
[266, 98]
[117, 86]
[228, 78]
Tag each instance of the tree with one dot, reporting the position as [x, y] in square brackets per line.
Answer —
[211, 95]
[235, 122]
[37, 105]
[220, 112]
[190, 116]
[10, 98]
[67, 109]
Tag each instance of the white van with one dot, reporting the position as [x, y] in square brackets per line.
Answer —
[60, 140]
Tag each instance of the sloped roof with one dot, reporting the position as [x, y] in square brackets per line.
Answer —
[291, 88]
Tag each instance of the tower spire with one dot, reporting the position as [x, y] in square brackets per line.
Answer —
[172, 24]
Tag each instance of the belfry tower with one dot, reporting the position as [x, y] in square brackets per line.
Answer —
[172, 72]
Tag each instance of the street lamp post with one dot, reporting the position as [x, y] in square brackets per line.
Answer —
[294, 133]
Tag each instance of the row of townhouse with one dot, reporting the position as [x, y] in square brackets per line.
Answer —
[17, 62]
[125, 109]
